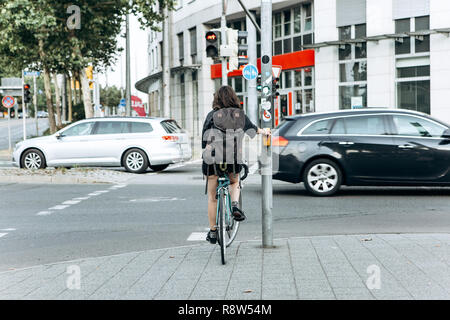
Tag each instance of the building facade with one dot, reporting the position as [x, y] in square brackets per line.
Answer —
[335, 54]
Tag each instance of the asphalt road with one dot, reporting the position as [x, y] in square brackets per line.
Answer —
[48, 223]
[17, 130]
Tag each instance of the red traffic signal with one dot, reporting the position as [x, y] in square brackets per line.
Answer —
[26, 87]
[211, 36]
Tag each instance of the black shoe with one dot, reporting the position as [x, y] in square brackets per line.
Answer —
[212, 236]
[238, 214]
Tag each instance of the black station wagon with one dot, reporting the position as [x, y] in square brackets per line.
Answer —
[368, 147]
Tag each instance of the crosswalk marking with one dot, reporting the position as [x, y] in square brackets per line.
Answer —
[3, 234]
[197, 236]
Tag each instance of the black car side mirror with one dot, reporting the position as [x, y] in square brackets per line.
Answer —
[59, 136]
[446, 134]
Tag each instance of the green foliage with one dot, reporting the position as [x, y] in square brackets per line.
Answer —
[110, 96]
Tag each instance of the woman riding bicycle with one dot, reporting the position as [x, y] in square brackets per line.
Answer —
[225, 97]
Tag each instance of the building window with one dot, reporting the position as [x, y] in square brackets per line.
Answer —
[180, 47]
[183, 100]
[193, 43]
[352, 67]
[301, 83]
[413, 88]
[292, 29]
[412, 44]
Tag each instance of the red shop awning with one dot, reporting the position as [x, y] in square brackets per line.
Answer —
[293, 60]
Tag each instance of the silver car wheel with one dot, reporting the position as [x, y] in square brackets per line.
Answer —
[135, 161]
[322, 177]
[32, 161]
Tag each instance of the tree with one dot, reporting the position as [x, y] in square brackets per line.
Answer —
[35, 35]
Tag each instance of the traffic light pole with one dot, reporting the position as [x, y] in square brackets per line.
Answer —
[127, 71]
[266, 122]
[223, 37]
[251, 89]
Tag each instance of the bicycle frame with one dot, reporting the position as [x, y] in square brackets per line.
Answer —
[224, 183]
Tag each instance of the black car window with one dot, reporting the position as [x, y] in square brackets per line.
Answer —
[171, 126]
[368, 125]
[111, 127]
[82, 129]
[139, 127]
[415, 126]
[339, 126]
[319, 127]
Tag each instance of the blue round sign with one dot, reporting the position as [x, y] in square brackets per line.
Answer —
[250, 72]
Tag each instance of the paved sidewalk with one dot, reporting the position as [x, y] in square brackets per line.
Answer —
[411, 266]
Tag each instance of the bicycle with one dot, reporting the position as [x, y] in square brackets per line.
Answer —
[227, 227]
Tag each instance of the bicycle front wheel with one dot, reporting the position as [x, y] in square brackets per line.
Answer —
[233, 225]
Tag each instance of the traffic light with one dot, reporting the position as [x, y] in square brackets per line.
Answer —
[236, 42]
[258, 83]
[26, 93]
[242, 48]
[212, 43]
[90, 76]
[275, 87]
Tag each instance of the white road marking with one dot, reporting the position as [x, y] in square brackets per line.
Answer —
[197, 236]
[44, 213]
[71, 202]
[157, 199]
[118, 186]
[58, 207]
[3, 234]
[81, 198]
[9, 229]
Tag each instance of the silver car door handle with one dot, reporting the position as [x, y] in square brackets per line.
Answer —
[406, 146]
[346, 143]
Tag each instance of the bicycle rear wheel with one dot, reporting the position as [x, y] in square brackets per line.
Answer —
[222, 225]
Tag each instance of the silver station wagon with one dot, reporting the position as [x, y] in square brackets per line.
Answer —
[132, 143]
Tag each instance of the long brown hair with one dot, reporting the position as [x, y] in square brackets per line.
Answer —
[225, 97]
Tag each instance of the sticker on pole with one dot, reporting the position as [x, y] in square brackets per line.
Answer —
[266, 105]
[276, 71]
[8, 102]
[267, 116]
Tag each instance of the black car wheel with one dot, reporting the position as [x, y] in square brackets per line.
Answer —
[33, 159]
[135, 161]
[322, 177]
[159, 168]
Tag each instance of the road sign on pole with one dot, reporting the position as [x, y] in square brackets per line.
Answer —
[250, 72]
[276, 71]
[8, 102]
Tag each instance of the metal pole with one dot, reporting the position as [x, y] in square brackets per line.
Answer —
[166, 65]
[35, 105]
[223, 36]
[128, 77]
[266, 97]
[251, 16]
[9, 129]
[252, 107]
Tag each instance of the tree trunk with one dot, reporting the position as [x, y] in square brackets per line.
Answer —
[47, 89]
[48, 96]
[57, 101]
[88, 110]
[69, 98]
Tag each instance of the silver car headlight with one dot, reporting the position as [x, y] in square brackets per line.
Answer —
[17, 146]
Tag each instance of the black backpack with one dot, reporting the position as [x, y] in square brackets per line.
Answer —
[226, 136]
